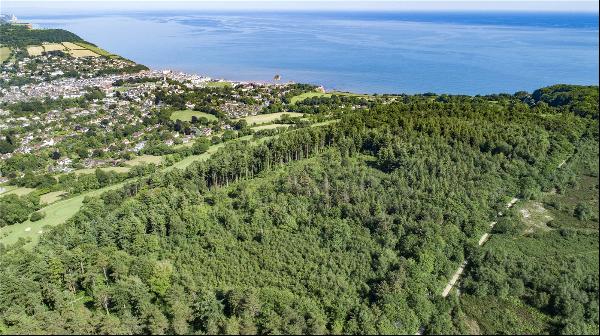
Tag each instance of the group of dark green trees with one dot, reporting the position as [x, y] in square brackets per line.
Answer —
[353, 227]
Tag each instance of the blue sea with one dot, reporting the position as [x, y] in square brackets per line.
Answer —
[374, 52]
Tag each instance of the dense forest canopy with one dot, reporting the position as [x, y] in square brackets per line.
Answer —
[21, 36]
[353, 227]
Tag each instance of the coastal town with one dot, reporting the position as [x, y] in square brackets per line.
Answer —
[62, 112]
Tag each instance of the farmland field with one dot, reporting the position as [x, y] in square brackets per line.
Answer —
[53, 47]
[147, 159]
[267, 118]
[82, 53]
[186, 115]
[72, 46]
[35, 50]
[93, 48]
[4, 53]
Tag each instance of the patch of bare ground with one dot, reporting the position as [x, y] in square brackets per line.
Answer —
[535, 217]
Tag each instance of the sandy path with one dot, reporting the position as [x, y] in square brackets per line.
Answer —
[484, 238]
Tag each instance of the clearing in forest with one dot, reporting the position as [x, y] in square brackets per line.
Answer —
[52, 197]
[535, 216]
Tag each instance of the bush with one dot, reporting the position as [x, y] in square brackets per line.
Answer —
[582, 211]
[508, 225]
[200, 146]
[36, 216]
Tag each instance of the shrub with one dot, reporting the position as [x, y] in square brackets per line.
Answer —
[36, 216]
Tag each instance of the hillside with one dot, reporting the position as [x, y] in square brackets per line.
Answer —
[20, 36]
[348, 227]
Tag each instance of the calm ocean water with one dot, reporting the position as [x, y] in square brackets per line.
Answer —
[470, 53]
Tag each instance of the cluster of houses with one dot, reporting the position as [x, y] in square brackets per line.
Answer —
[43, 68]
[125, 106]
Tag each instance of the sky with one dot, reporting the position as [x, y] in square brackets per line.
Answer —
[398, 5]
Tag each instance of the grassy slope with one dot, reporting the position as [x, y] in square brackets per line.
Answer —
[267, 118]
[51, 197]
[186, 115]
[19, 191]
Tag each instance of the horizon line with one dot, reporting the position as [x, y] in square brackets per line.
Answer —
[580, 6]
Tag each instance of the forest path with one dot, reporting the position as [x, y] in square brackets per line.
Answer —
[484, 238]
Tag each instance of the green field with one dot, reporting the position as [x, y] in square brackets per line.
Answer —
[4, 54]
[267, 118]
[52, 197]
[19, 191]
[217, 84]
[271, 126]
[307, 95]
[186, 115]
